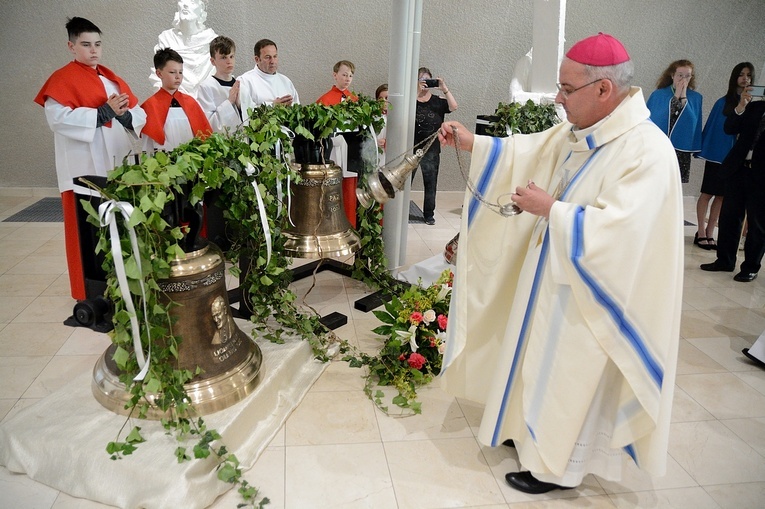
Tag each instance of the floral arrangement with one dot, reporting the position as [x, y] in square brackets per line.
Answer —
[414, 331]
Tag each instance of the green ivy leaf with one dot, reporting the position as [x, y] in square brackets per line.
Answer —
[136, 218]
[121, 357]
[131, 268]
[227, 473]
[153, 385]
[134, 437]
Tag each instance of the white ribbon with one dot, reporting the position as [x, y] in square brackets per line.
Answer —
[279, 194]
[107, 216]
[377, 149]
[250, 170]
[289, 201]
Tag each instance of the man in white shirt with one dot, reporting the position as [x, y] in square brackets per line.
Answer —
[263, 84]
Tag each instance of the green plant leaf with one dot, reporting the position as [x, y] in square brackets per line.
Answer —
[134, 437]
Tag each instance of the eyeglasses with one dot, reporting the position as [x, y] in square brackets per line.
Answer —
[684, 76]
[566, 93]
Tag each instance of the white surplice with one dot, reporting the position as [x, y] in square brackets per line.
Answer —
[177, 130]
[213, 98]
[567, 329]
[258, 87]
[84, 149]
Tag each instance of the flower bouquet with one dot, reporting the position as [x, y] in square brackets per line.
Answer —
[414, 332]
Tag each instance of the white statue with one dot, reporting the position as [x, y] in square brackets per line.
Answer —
[191, 39]
[520, 85]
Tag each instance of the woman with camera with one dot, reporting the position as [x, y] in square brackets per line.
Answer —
[429, 116]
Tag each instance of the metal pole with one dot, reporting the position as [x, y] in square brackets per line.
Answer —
[406, 17]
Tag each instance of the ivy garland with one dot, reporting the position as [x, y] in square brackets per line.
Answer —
[218, 166]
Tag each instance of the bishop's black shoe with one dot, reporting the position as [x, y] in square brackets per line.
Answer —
[745, 277]
[715, 267]
[527, 483]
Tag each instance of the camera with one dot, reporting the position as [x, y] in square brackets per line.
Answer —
[431, 83]
[756, 90]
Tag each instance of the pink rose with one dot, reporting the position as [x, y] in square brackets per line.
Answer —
[415, 317]
[416, 361]
[442, 322]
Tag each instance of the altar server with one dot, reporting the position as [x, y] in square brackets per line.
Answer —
[565, 319]
[218, 95]
[94, 117]
[172, 117]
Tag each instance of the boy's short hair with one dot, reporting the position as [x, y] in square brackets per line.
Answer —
[165, 55]
[346, 63]
[382, 88]
[223, 45]
[264, 43]
[76, 26]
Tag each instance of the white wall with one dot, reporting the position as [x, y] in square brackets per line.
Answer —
[472, 44]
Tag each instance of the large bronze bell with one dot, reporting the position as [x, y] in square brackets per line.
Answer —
[229, 358]
[321, 229]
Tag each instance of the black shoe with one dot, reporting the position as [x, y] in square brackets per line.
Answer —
[527, 483]
[509, 443]
[745, 277]
[715, 267]
[430, 221]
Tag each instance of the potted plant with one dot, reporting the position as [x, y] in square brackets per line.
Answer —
[517, 118]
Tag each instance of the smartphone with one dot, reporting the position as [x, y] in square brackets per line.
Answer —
[757, 90]
[434, 84]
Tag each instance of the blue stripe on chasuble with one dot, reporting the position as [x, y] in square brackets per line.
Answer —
[522, 339]
[609, 304]
[630, 449]
[486, 175]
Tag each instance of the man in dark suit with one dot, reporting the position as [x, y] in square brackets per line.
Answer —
[744, 191]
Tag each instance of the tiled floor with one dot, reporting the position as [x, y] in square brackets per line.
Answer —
[338, 451]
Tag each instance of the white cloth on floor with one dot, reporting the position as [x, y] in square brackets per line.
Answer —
[61, 440]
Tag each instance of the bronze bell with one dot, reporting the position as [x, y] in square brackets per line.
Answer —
[229, 358]
[321, 229]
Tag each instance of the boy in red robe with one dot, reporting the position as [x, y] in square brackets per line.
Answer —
[94, 117]
[172, 117]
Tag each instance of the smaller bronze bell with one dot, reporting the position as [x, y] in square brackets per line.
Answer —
[321, 229]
